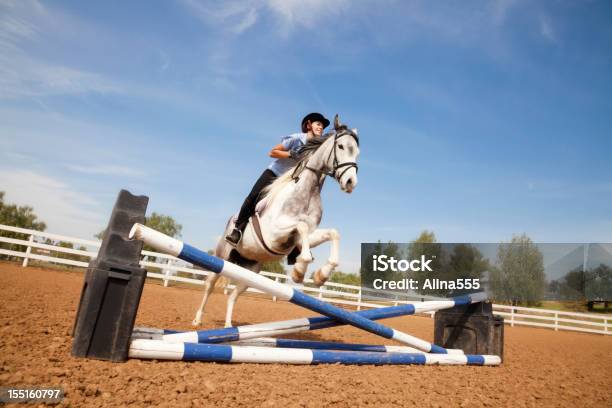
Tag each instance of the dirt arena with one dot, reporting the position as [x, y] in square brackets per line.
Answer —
[38, 306]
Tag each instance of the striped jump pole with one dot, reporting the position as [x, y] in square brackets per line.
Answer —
[324, 345]
[161, 350]
[186, 252]
[269, 329]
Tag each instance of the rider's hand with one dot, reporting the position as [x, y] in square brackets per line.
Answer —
[294, 153]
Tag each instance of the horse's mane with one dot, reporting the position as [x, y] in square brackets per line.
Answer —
[305, 153]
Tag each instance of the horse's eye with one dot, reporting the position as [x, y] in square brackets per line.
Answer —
[340, 147]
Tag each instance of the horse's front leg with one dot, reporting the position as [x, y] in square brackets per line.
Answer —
[317, 238]
[305, 257]
[209, 285]
[231, 301]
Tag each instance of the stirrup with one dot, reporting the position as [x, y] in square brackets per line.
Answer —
[229, 241]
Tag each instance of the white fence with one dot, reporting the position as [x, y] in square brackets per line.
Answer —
[47, 247]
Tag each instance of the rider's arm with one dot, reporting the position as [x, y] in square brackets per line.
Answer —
[279, 152]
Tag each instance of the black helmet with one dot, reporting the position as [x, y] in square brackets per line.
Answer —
[314, 117]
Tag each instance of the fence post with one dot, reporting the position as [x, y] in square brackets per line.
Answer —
[556, 321]
[28, 251]
[359, 299]
[321, 292]
[167, 273]
[512, 317]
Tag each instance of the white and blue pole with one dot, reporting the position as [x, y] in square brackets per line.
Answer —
[268, 329]
[324, 345]
[186, 252]
[161, 350]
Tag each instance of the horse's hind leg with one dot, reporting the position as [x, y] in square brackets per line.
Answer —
[209, 285]
[253, 266]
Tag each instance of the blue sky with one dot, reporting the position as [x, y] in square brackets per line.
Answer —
[478, 119]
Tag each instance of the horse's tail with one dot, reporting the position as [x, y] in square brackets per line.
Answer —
[221, 250]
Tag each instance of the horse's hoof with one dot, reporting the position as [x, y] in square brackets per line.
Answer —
[318, 279]
[297, 277]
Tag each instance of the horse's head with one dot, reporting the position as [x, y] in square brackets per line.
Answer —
[342, 160]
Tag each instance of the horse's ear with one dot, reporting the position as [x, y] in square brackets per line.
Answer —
[337, 124]
[354, 130]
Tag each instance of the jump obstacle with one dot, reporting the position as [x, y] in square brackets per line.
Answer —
[186, 252]
[254, 331]
[145, 333]
[160, 350]
[115, 275]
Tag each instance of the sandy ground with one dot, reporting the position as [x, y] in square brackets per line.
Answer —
[38, 306]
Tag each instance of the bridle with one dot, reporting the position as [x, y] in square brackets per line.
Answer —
[346, 166]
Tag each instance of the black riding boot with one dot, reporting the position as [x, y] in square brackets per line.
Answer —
[248, 207]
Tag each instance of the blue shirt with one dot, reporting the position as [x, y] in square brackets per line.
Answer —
[280, 166]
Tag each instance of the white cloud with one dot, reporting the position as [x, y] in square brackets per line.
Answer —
[546, 29]
[233, 16]
[13, 29]
[239, 16]
[307, 13]
[249, 19]
[64, 210]
[24, 77]
[21, 23]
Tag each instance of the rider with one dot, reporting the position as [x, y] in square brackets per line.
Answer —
[285, 153]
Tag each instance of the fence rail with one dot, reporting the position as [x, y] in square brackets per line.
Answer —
[40, 246]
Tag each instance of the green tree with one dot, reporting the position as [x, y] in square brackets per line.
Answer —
[572, 285]
[467, 262]
[22, 217]
[273, 266]
[426, 237]
[367, 273]
[69, 245]
[165, 224]
[391, 249]
[159, 222]
[17, 216]
[426, 245]
[598, 285]
[346, 278]
[518, 276]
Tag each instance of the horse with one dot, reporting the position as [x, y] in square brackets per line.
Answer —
[289, 215]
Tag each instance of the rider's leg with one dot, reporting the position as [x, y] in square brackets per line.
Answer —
[248, 207]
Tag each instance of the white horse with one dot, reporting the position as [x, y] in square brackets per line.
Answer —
[291, 215]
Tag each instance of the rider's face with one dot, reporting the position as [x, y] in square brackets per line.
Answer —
[316, 127]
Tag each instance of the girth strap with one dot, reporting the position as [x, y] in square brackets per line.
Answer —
[257, 228]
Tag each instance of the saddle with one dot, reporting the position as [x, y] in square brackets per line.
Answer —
[295, 252]
[261, 205]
